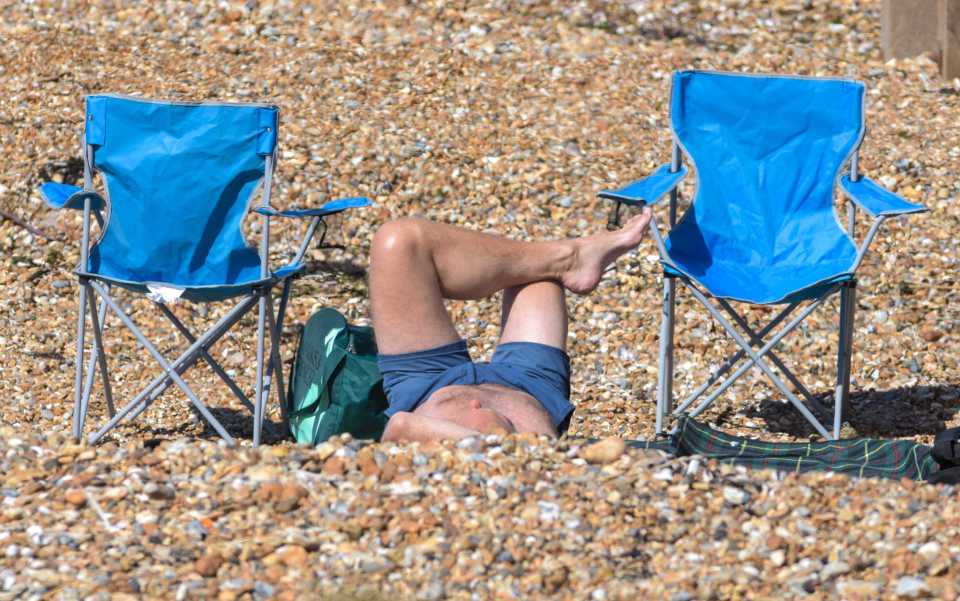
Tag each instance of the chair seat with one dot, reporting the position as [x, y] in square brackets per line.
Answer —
[206, 293]
[761, 285]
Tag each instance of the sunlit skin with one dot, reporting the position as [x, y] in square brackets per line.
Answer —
[415, 264]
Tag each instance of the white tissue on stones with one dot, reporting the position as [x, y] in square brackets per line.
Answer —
[164, 294]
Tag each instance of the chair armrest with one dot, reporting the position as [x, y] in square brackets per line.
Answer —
[876, 200]
[334, 206]
[65, 196]
[648, 190]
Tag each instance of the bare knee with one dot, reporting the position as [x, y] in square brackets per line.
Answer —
[401, 236]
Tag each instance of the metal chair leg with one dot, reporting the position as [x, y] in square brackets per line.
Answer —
[205, 355]
[275, 365]
[760, 363]
[146, 396]
[88, 377]
[97, 356]
[665, 381]
[844, 352]
[731, 361]
[78, 377]
[99, 321]
[750, 362]
[851, 325]
[258, 401]
[757, 340]
[167, 367]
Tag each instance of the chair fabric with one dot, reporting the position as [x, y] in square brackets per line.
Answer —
[647, 190]
[179, 178]
[875, 200]
[65, 196]
[767, 151]
[334, 206]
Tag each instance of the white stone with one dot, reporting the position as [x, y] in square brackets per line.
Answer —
[735, 496]
[929, 552]
[909, 586]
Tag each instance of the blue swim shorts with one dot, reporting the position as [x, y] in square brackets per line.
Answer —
[540, 370]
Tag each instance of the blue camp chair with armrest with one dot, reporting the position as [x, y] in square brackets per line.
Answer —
[178, 180]
[768, 152]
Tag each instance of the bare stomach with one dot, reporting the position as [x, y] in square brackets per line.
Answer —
[521, 410]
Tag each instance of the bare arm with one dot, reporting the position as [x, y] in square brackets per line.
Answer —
[413, 427]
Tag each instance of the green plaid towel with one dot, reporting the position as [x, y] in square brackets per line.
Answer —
[862, 457]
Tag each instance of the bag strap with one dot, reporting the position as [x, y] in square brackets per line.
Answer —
[290, 410]
[945, 476]
[946, 448]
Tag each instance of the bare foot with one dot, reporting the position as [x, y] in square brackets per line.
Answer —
[593, 253]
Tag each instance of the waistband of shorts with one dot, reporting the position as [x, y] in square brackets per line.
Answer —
[457, 347]
[526, 344]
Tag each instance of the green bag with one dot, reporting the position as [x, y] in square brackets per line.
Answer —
[336, 386]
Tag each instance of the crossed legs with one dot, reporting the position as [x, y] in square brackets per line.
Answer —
[416, 264]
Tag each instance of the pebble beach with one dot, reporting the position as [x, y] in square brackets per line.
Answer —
[506, 118]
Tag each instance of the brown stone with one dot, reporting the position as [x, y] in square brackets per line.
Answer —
[604, 451]
[83, 478]
[555, 578]
[76, 497]
[227, 595]
[293, 556]
[115, 493]
[268, 491]
[930, 334]
[334, 466]
[858, 589]
[208, 565]
[150, 459]
[365, 461]
[290, 496]
[324, 451]
[388, 472]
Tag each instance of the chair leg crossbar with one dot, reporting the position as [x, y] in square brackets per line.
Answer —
[205, 355]
[172, 370]
[757, 358]
[754, 339]
[98, 317]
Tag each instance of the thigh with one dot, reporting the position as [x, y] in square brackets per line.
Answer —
[405, 297]
[535, 312]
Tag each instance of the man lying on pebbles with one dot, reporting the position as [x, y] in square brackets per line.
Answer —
[434, 390]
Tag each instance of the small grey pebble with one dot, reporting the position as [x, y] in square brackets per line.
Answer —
[735, 496]
[263, 590]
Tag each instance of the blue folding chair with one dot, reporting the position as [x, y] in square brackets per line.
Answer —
[762, 229]
[178, 179]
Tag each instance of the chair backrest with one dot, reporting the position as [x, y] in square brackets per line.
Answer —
[767, 150]
[179, 177]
